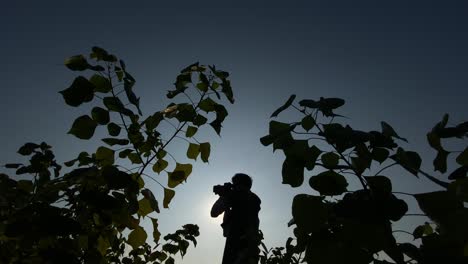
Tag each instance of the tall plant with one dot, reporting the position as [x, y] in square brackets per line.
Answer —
[93, 212]
[342, 225]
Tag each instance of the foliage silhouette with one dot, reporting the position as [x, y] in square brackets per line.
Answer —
[93, 212]
[354, 226]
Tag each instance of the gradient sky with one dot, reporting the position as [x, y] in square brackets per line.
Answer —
[404, 62]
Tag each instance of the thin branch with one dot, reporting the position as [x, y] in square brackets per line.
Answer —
[151, 178]
[415, 215]
[120, 114]
[434, 179]
[384, 168]
[186, 95]
[409, 194]
[402, 231]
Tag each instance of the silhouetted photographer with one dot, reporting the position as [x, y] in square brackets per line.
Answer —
[240, 223]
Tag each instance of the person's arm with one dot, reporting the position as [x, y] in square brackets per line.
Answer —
[219, 207]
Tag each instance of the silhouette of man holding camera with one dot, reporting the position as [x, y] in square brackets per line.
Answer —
[240, 222]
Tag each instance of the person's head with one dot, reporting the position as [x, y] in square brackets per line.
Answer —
[242, 181]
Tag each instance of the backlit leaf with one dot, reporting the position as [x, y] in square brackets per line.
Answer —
[100, 115]
[180, 174]
[77, 63]
[329, 183]
[309, 212]
[168, 195]
[462, 159]
[284, 106]
[191, 130]
[330, 159]
[160, 165]
[137, 237]
[387, 130]
[293, 172]
[308, 122]
[193, 151]
[144, 206]
[80, 91]
[205, 149]
[105, 156]
[101, 84]
[156, 233]
[113, 129]
[83, 127]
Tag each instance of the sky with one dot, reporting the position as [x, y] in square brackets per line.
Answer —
[404, 62]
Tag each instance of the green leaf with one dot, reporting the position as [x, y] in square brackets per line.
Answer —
[459, 173]
[156, 233]
[205, 149]
[102, 245]
[100, 115]
[380, 185]
[462, 159]
[434, 141]
[113, 129]
[115, 141]
[27, 149]
[459, 188]
[199, 120]
[180, 174]
[207, 105]
[388, 131]
[293, 172]
[148, 194]
[80, 91]
[308, 122]
[153, 121]
[267, 140]
[134, 158]
[105, 156]
[124, 153]
[380, 154]
[137, 237]
[168, 195]
[128, 85]
[193, 151]
[101, 84]
[25, 185]
[422, 230]
[13, 165]
[77, 63]
[191, 130]
[330, 159]
[281, 132]
[83, 127]
[440, 162]
[113, 104]
[309, 212]
[221, 114]
[329, 183]
[284, 106]
[227, 89]
[439, 206]
[144, 206]
[160, 165]
[409, 160]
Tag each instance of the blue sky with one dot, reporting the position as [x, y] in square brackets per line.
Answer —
[399, 61]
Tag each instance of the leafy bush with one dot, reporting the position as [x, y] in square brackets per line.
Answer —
[93, 212]
[352, 226]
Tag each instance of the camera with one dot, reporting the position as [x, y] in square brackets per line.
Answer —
[223, 190]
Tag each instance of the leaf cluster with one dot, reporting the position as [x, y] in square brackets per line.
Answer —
[353, 226]
[93, 213]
